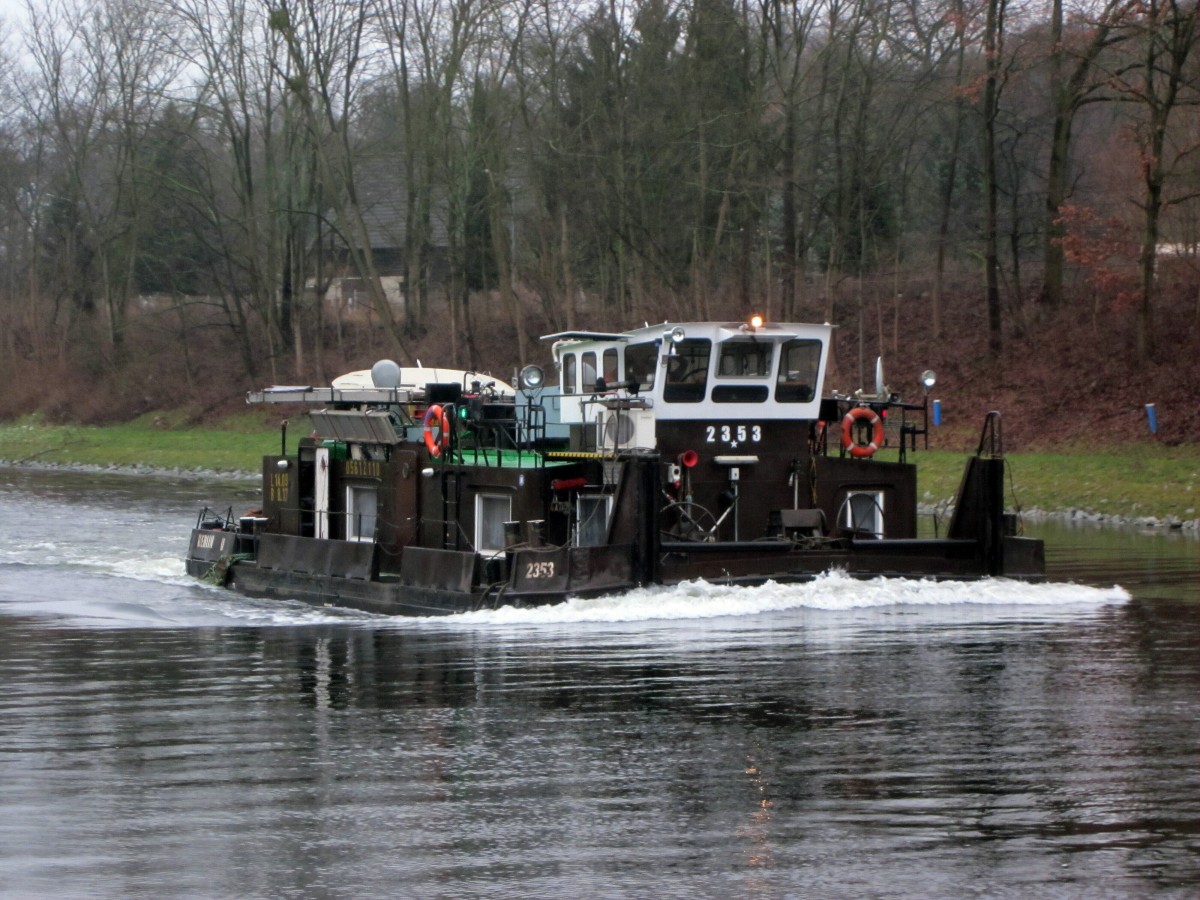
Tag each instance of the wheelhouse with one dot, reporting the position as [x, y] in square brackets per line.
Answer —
[705, 370]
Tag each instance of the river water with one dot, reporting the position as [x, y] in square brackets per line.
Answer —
[161, 738]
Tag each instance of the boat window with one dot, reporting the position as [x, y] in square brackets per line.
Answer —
[587, 374]
[591, 517]
[610, 366]
[640, 362]
[362, 506]
[745, 359]
[687, 371]
[568, 373]
[491, 512]
[799, 365]
[864, 513]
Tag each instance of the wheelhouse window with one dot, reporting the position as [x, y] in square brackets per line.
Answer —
[491, 512]
[568, 373]
[799, 365]
[687, 371]
[864, 513]
[744, 359]
[640, 363]
[610, 366]
[741, 361]
[362, 510]
[587, 363]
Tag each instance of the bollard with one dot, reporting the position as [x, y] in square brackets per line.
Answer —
[1152, 418]
[937, 412]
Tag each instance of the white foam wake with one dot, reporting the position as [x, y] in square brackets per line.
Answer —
[833, 591]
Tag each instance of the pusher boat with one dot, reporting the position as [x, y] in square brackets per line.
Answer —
[691, 450]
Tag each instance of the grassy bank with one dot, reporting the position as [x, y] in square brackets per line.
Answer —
[1143, 481]
[152, 442]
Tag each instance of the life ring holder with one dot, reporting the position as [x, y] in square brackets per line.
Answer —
[435, 445]
[862, 414]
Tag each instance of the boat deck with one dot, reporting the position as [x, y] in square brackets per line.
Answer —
[504, 458]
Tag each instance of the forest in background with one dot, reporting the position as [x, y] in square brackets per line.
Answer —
[1008, 192]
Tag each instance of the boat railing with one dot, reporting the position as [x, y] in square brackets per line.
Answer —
[479, 436]
[914, 429]
[913, 422]
[213, 519]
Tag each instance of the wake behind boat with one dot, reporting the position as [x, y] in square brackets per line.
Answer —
[664, 454]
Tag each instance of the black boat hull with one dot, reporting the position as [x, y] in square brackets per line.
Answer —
[444, 586]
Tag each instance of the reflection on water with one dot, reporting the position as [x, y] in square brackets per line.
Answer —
[160, 738]
[1150, 563]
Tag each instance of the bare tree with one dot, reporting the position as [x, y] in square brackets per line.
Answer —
[329, 67]
[1157, 83]
[441, 47]
[957, 31]
[546, 216]
[236, 56]
[398, 20]
[993, 48]
[1074, 52]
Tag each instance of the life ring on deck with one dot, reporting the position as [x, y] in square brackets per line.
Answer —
[435, 445]
[863, 414]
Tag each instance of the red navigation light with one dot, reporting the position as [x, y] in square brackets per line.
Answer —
[689, 458]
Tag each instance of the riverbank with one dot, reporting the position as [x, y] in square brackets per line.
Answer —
[1145, 484]
[151, 443]
[1149, 484]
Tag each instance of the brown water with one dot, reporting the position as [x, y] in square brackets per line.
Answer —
[160, 738]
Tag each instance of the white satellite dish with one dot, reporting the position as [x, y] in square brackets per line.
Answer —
[385, 374]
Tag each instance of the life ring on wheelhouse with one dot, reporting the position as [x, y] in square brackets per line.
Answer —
[862, 414]
[435, 445]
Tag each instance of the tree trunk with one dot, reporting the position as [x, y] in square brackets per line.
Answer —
[993, 44]
[1067, 94]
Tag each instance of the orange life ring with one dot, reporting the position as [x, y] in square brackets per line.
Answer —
[435, 446]
[865, 413]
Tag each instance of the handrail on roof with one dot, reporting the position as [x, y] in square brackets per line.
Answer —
[308, 394]
[584, 336]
